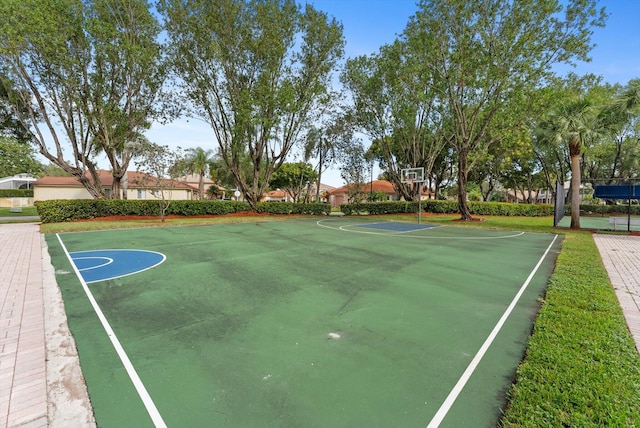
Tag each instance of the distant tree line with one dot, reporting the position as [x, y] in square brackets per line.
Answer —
[467, 91]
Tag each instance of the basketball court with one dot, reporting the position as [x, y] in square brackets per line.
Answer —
[334, 322]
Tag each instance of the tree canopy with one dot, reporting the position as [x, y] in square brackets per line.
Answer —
[17, 158]
[256, 71]
[83, 77]
[467, 91]
[294, 179]
[458, 74]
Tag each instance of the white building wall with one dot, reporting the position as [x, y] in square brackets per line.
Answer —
[48, 193]
[41, 193]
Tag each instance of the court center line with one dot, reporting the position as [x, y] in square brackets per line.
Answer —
[457, 389]
[131, 371]
[344, 228]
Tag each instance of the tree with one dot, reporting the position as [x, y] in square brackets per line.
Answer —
[52, 170]
[10, 125]
[354, 169]
[214, 192]
[625, 110]
[197, 161]
[293, 178]
[483, 54]
[126, 78]
[552, 157]
[629, 100]
[256, 71]
[17, 158]
[158, 164]
[220, 172]
[322, 144]
[82, 77]
[395, 104]
[573, 123]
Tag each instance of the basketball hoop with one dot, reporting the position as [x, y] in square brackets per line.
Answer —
[414, 175]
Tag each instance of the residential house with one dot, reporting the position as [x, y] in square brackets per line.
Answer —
[340, 195]
[138, 186]
[193, 180]
[18, 181]
[324, 192]
[525, 197]
[276, 196]
[279, 195]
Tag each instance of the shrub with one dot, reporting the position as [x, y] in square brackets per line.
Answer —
[291, 208]
[56, 211]
[449, 207]
[606, 209]
[65, 210]
[16, 193]
[191, 208]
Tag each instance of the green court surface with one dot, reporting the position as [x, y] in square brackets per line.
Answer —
[306, 323]
[619, 222]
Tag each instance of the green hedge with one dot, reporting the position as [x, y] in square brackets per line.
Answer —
[291, 208]
[56, 211]
[449, 207]
[16, 193]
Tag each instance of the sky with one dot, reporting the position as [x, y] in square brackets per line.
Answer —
[369, 24]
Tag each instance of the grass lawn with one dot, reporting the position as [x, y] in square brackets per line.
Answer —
[6, 212]
[581, 367]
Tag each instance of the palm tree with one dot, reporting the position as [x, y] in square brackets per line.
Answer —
[574, 123]
[629, 100]
[322, 143]
[197, 162]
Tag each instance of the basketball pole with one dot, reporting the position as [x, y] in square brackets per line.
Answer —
[419, 203]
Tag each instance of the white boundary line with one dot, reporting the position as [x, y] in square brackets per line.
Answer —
[395, 232]
[345, 228]
[109, 261]
[131, 371]
[457, 389]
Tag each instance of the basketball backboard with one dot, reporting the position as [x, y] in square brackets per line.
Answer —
[412, 175]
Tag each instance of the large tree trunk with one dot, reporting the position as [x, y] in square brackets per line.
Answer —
[575, 190]
[116, 185]
[320, 166]
[91, 186]
[463, 207]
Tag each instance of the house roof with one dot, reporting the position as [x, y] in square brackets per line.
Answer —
[194, 180]
[278, 193]
[378, 186]
[275, 194]
[324, 187]
[135, 179]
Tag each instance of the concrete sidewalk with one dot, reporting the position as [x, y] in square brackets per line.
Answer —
[621, 257]
[41, 384]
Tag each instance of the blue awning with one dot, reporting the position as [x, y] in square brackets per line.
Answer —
[617, 191]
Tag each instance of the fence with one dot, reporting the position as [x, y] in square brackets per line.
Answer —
[604, 205]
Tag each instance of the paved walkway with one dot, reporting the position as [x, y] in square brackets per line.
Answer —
[41, 384]
[20, 219]
[621, 258]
